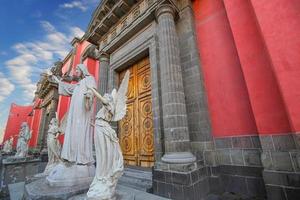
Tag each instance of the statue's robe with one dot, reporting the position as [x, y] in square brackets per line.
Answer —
[109, 156]
[22, 144]
[54, 148]
[77, 145]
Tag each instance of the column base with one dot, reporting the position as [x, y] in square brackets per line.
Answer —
[179, 157]
[188, 184]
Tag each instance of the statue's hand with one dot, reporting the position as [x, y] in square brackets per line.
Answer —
[90, 88]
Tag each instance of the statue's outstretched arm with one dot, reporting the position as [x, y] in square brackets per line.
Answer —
[98, 95]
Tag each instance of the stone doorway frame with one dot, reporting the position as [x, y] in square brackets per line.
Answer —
[147, 46]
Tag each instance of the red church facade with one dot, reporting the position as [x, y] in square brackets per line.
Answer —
[249, 60]
[248, 57]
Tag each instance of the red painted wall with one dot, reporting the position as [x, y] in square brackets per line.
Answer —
[17, 115]
[249, 51]
[266, 101]
[35, 123]
[279, 23]
[228, 100]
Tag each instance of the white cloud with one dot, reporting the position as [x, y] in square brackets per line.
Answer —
[74, 4]
[47, 26]
[77, 32]
[6, 87]
[34, 56]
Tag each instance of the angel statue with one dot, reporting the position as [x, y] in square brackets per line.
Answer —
[78, 166]
[7, 147]
[54, 147]
[108, 152]
[24, 137]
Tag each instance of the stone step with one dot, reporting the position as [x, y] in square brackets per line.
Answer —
[137, 179]
[139, 174]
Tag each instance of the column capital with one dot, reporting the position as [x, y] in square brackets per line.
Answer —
[103, 56]
[165, 9]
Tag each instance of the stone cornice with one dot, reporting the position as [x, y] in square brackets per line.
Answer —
[106, 15]
[135, 19]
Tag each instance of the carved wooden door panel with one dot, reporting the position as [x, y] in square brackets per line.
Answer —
[136, 129]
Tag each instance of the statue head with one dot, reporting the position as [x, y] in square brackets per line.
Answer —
[24, 125]
[82, 71]
[54, 121]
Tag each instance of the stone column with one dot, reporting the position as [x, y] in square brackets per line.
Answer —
[177, 141]
[41, 129]
[103, 74]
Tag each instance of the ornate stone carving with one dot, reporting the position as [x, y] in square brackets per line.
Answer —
[91, 52]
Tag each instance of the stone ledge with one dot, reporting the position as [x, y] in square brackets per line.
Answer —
[282, 178]
[19, 160]
[280, 193]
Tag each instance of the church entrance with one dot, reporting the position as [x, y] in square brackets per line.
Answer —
[136, 128]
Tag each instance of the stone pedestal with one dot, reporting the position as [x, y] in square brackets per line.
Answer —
[41, 190]
[68, 175]
[15, 170]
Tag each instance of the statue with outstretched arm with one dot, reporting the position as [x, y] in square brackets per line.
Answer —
[108, 152]
[78, 140]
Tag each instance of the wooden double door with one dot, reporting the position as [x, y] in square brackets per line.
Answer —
[136, 128]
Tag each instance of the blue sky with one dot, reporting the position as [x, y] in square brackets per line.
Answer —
[33, 35]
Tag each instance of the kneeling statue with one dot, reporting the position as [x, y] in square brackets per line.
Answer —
[54, 147]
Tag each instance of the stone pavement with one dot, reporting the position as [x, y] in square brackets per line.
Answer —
[230, 196]
[38, 190]
[16, 190]
[127, 193]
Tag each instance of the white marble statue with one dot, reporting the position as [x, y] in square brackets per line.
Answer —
[24, 137]
[108, 152]
[7, 147]
[78, 167]
[54, 147]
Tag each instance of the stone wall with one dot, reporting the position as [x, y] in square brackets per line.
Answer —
[14, 171]
[281, 158]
